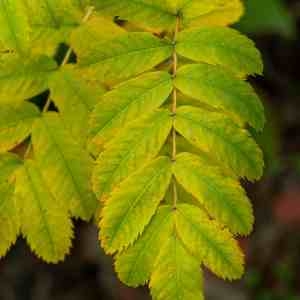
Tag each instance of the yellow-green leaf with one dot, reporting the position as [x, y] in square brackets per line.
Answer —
[221, 46]
[51, 23]
[9, 218]
[65, 165]
[135, 265]
[22, 79]
[220, 89]
[14, 28]
[136, 145]
[16, 121]
[177, 274]
[197, 13]
[222, 197]
[222, 139]
[75, 100]
[96, 28]
[211, 244]
[9, 163]
[44, 221]
[147, 13]
[136, 198]
[123, 57]
[127, 102]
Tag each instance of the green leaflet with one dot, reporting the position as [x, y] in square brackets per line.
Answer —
[136, 145]
[135, 264]
[65, 165]
[96, 28]
[52, 13]
[120, 58]
[221, 46]
[218, 88]
[128, 101]
[44, 221]
[148, 13]
[75, 100]
[222, 139]
[22, 79]
[9, 219]
[9, 163]
[51, 23]
[14, 29]
[222, 197]
[16, 122]
[197, 13]
[211, 244]
[176, 274]
[136, 198]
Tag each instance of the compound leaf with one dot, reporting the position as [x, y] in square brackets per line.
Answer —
[136, 145]
[44, 221]
[211, 244]
[222, 139]
[221, 46]
[222, 197]
[218, 88]
[129, 101]
[65, 165]
[135, 198]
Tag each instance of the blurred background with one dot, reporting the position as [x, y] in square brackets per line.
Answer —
[272, 251]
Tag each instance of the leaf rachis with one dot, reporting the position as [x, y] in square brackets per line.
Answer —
[174, 109]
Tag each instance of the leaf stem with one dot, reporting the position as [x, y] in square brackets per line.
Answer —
[65, 60]
[174, 109]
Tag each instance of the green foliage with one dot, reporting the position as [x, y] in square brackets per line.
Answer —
[268, 16]
[167, 180]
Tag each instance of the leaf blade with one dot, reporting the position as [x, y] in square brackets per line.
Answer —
[221, 46]
[128, 101]
[220, 89]
[133, 147]
[222, 139]
[44, 222]
[209, 243]
[75, 100]
[177, 273]
[124, 56]
[65, 165]
[16, 122]
[222, 197]
[136, 197]
[135, 265]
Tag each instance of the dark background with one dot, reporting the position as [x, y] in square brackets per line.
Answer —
[272, 251]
